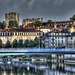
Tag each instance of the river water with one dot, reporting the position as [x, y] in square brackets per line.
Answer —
[36, 68]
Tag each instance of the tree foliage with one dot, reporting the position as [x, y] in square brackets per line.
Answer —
[15, 43]
[20, 43]
[73, 33]
[1, 45]
[26, 43]
[49, 21]
[13, 24]
[72, 18]
[31, 43]
[7, 45]
[37, 23]
[2, 25]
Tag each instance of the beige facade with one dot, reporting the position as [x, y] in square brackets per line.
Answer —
[29, 21]
[12, 16]
[4, 36]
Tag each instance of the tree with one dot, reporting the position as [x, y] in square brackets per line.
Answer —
[20, 43]
[36, 41]
[73, 33]
[7, 45]
[26, 43]
[1, 45]
[2, 25]
[31, 43]
[72, 18]
[37, 23]
[16, 24]
[15, 43]
[13, 24]
[49, 21]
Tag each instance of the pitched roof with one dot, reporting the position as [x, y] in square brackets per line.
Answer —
[21, 29]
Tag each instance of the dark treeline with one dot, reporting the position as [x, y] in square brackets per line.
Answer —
[36, 43]
[2, 25]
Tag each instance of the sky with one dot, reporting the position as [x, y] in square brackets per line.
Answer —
[56, 10]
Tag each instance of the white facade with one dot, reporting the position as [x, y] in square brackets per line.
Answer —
[71, 41]
[56, 40]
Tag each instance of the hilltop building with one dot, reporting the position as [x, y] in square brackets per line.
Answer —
[29, 21]
[12, 16]
[62, 23]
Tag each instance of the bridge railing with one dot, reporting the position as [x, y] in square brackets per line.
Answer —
[58, 49]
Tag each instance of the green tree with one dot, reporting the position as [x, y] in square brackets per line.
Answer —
[49, 21]
[7, 45]
[2, 25]
[13, 24]
[1, 45]
[72, 18]
[16, 24]
[15, 43]
[73, 33]
[37, 23]
[36, 41]
[26, 43]
[31, 43]
[20, 43]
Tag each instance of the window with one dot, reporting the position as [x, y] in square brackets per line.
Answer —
[20, 33]
[15, 33]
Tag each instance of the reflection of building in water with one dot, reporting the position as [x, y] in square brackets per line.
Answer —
[21, 68]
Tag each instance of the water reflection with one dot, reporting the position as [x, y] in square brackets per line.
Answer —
[36, 68]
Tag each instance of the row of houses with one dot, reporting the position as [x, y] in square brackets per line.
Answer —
[59, 38]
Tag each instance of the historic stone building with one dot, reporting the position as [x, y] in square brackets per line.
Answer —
[29, 21]
[19, 33]
[12, 16]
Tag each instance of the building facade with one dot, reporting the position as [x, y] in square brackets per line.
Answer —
[62, 23]
[12, 16]
[56, 39]
[19, 33]
[45, 29]
[71, 41]
[29, 21]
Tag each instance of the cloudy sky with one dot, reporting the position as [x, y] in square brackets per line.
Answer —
[58, 10]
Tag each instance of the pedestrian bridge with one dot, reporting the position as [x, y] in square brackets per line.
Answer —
[34, 51]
